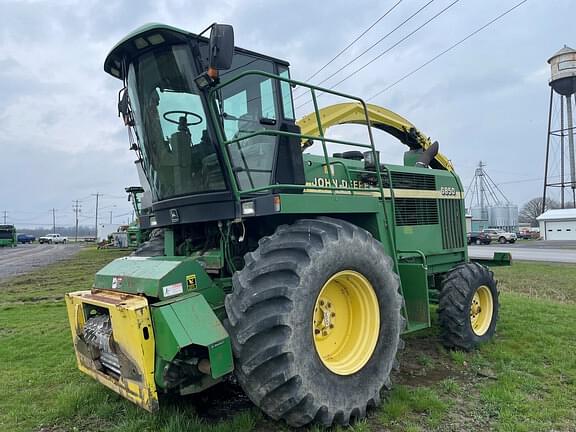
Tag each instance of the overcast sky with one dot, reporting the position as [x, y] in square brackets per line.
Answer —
[60, 138]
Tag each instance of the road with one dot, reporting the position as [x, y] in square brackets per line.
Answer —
[544, 253]
[25, 258]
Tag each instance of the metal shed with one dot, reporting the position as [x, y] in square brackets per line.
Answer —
[558, 224]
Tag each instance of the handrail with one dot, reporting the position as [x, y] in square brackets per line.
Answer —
[417, 252]
[222, 139]
[274, 132]
[213, 111]
[346, 171]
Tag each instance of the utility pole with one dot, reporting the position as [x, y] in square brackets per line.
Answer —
[5, 216]
[110, 217]
[97, 195]
[53, 220]
[77, 209]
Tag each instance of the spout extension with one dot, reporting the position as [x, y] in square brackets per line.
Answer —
[429, 154]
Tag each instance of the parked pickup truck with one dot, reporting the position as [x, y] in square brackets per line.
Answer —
[52, 238]
[500, 236]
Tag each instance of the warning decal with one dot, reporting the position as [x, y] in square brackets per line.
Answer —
[191, 281]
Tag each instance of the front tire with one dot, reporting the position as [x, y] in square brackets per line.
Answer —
[468, 306]
[308, 287]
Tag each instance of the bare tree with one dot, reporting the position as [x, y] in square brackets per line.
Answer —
[533, 208]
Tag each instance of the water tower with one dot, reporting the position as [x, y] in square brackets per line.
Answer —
[562, 87]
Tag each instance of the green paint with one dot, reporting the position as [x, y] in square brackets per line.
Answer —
[500, 259]
[134, 235]
[188, 321]
[417, 214]
[169, 247]
[415, 285]
[8, 236]
[157, 277]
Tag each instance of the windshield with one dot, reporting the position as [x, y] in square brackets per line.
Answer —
[250, 105]
[178, 155]
[6, 231]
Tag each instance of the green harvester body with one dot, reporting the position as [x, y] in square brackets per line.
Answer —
[416, 213]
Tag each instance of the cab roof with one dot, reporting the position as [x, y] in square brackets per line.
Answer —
[151, 35]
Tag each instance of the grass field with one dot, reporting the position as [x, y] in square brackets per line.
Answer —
[524, 381]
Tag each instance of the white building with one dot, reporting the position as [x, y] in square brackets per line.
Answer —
[558, 224]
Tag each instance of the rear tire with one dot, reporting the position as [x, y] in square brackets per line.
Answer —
[273, 318]
[478, 241]
[468, 306]
[502, 240]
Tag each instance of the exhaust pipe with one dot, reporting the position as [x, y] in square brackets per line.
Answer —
[428, 155]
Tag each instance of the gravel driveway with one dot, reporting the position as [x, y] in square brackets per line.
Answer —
[28, 257]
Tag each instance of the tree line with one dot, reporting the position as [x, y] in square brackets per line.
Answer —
[533, 208]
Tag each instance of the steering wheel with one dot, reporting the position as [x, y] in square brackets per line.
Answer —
[186, 114]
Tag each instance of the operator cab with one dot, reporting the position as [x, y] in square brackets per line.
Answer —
[182, 129]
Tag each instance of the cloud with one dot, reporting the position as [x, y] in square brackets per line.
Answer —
[486, 100]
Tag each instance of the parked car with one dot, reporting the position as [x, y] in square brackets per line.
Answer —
[25, 238]
[500, 236]
[525, 235]
[52, 238]
[478, 238]
[528, 234]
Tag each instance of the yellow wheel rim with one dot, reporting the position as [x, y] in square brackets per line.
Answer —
[481, 310]
[346, 322]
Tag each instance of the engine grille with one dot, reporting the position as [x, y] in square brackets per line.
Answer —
[402, 180]
[416, 211]
[451, 223]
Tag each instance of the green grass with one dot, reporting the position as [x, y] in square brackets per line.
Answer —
[539, 280]
[523, 381]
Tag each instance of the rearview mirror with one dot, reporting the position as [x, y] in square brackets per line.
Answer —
[221, 46]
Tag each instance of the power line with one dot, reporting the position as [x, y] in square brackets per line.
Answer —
[526, 180]
[478, 30]
[355, 40]
[368, 49]
[428, 21]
